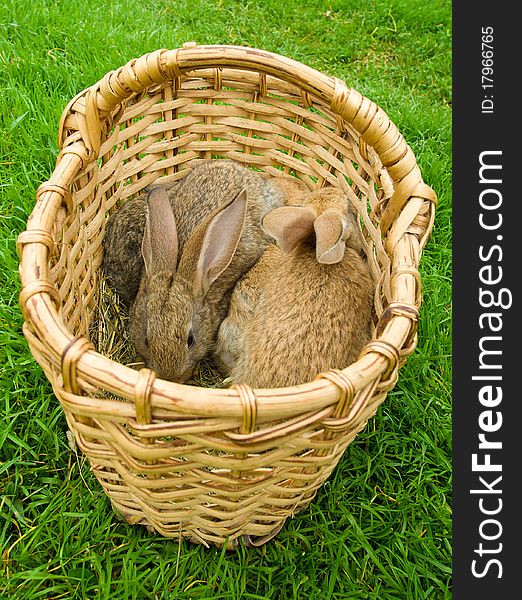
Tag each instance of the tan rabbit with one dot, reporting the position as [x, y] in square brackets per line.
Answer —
[206, 186]
[306, 306]
[184, 294]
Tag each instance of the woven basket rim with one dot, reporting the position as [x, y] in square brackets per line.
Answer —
[79, 360]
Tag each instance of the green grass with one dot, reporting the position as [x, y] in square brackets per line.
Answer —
[380, 528]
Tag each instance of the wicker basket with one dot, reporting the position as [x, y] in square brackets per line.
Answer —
[216, 465]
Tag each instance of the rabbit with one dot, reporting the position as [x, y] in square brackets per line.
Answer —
[230, 341]
[244, 297]
[185, 289]
[307, 304]
[205, 187]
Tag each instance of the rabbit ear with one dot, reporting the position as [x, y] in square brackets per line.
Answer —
[330, 235]
[159, 246]
[289, 225]
[220, 242]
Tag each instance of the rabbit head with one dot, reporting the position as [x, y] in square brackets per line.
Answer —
[174, 319]
[323, 220]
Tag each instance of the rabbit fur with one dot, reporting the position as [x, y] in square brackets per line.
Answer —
[306, 306]
[209, 184]
[192, 262]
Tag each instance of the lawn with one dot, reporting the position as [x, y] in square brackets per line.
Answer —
[380, 528]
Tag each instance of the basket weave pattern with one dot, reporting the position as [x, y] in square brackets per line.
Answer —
[216, 465]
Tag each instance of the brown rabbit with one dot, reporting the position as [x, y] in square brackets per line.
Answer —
[209, 184]
[306, 306]
[184, 294]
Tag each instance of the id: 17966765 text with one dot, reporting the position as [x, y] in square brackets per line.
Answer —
[487, 56]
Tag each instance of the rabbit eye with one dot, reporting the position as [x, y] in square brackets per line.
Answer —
[190, 339]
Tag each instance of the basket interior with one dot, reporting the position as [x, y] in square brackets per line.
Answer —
[260, 121]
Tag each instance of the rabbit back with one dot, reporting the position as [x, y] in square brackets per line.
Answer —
[310, 317]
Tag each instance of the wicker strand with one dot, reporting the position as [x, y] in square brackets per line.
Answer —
[400, 270]
[390, 352]
[344, 383]
[38, 287]
[64, 193]
[143, 389]
[248, 401]
[347, 391]
[263, 87]
[77, 149]
[409, 187]
[70, 357]
[34, 236]
[342, 100]
[399, 309]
